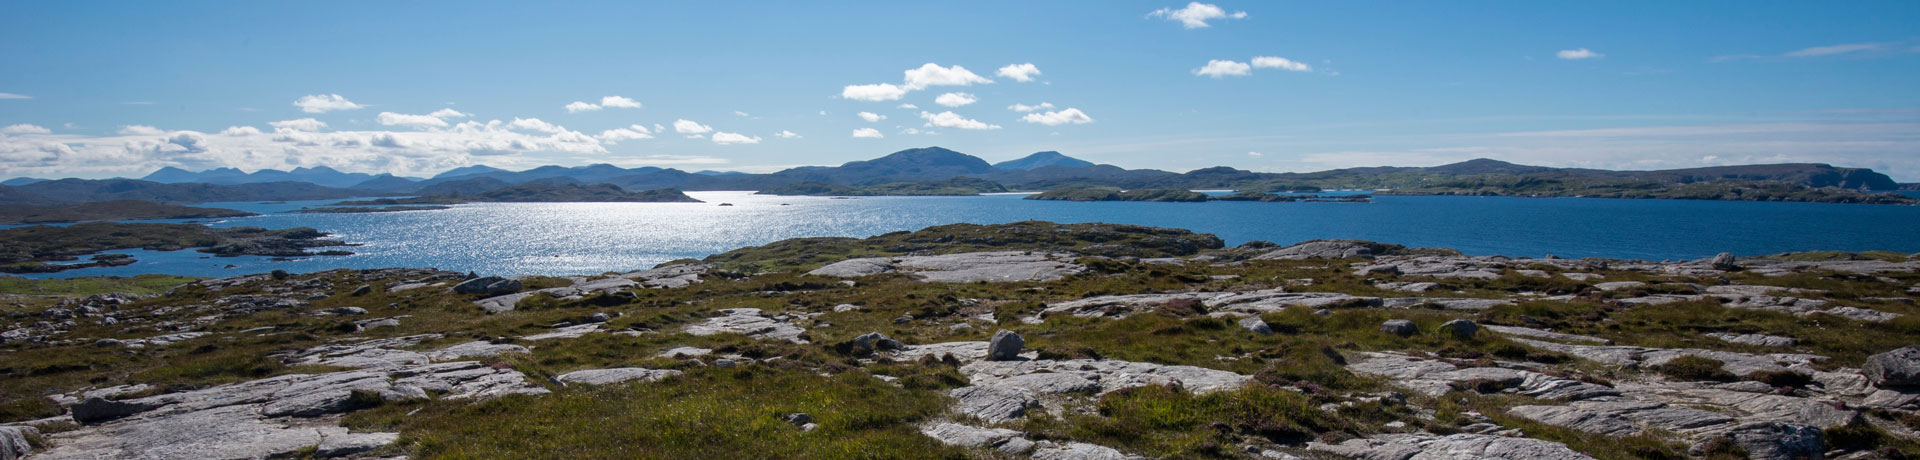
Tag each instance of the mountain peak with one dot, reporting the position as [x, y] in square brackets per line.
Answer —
[1040, 160]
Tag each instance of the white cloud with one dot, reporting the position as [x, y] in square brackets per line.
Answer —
[617, 102]
[1834, 49]
[14, 96]
[24, 128]
[1196, 14]
[954, 120]
[1030, 108]
[685, 126]
[323, 103]
[1019, 72]
[867, 133]
[741, 114]
[908, 106]
[140, 130]
[932, 74]
[1255, 154]
[536, 124]
[1221, 68]
[303, 124]
[1578, 54]
[240, 131]
[955, 99]
[613, 102]
[616, 135]
[449, 113]
[784, 134]
[872, 117]
[657, 128]
[725, 138]
[918, 131]
[1276, 62]
[1057, 118]
[872, 93]
[415, 121]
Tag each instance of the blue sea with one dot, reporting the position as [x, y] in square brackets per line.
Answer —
[589, 238]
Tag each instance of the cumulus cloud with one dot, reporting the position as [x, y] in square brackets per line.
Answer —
[872, 117]
[240, 131]
[1030, 108]
[908, 106]
[1057, 118]
[140, 130]
[14, 96]
[784, 134]
[24, 128]
[578, 106]
[1276, 62]
[1218, 68]
[616, 135]
[303, 124]
[536, 124]
[449, 113]
[685, 126]
[1019, 72]
[954, 120]
[412, 121]
[867, 133]
[1255, 154]
[932, 74]
[1577, 54]
[955, 99]
[725, 138]
[617, 102]
[874, 92]
[1196, 14]
[323, 103]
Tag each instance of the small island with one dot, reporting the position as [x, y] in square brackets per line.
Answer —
[365, 209]
[1186, 196]
[29, 249]
[15, 214]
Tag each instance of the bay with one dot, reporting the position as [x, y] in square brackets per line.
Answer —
[588, 238]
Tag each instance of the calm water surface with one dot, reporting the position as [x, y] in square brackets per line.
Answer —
[584, 238]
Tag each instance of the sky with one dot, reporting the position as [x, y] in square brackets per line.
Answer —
[105, 89]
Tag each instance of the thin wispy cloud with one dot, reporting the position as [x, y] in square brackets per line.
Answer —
[1578, 54]
[1828, 51]
[14, 96]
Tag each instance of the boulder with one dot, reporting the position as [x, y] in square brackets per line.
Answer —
[875, 341]
[1724, 262]
[615, 375]
[1900, 367]
[1399, 327]
[1256, 325]
[13, 442]
[1005, 346]
[1460, 328]
[97, 409]
[1779, 441]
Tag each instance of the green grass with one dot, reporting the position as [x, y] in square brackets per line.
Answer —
[141, 284]
[707, 413]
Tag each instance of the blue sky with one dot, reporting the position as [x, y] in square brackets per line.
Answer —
[100, 89]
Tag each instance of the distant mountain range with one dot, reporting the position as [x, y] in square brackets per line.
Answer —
[1039, 171]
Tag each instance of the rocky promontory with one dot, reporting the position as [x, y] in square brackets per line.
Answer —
[1024, 340]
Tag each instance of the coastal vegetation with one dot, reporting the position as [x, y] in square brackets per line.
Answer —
[1313, 374]
[27, 249]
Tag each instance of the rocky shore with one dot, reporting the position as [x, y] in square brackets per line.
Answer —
[1026, 340]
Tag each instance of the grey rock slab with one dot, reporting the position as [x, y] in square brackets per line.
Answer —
[676, 352]
[1110, 375]
[750, 322]
[1256, 325]
[614, 375]
[993, 404]
[1275, 300]
[1541, 334]
[1445, 303]
[568, 332]
[964, 267]
[340, 444]
[1121, 306]
[474, 349]
[1329, 249]
[1618, 285]
[1079, 451]
[1004, 440]
[1753, 339]
[230, 432]
[1462, 446]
